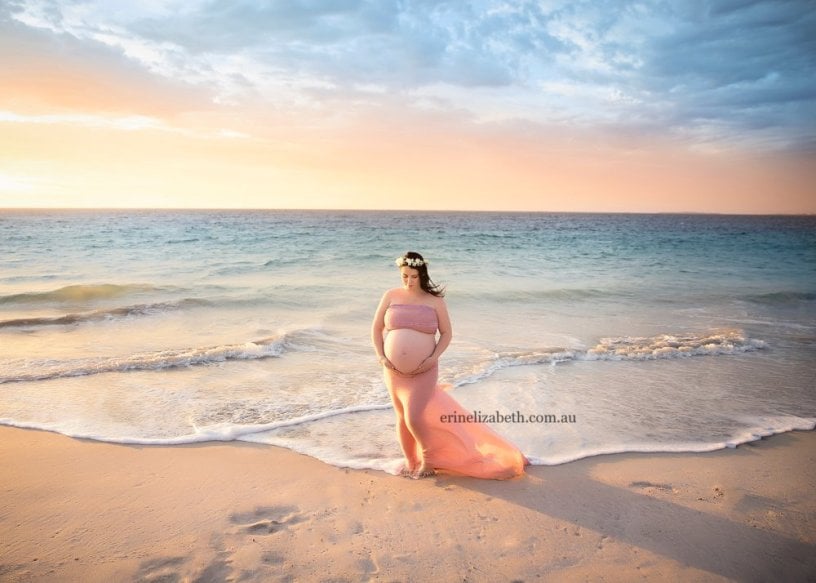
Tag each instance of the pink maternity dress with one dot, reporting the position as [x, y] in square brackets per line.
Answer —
[470, 449]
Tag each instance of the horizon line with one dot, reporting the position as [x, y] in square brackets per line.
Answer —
[413, 211]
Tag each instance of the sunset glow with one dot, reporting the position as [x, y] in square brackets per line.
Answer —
[540, 106]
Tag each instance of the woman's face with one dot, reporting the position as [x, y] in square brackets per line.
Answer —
[410, 278]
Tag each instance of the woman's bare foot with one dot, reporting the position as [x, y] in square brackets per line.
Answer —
[424, 472]
[408, 469]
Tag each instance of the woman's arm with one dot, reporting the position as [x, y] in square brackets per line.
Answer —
[377, 328]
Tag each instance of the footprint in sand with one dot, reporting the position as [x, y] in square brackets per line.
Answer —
[267, 519]
[650, 487]
[161, 570]
[716, 497]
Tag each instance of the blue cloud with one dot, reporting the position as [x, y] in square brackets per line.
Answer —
[726, 70]
[746, 64]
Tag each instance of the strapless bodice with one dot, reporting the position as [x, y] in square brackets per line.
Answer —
[414, 316]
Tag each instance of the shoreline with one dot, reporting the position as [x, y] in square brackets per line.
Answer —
[73, 509]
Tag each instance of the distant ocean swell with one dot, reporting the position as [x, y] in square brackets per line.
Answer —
[80, 293]
[85, 293]
[159, 299]
[625, 348]
[782, 297]
[105, 314]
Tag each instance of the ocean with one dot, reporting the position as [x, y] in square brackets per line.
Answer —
[573, 334]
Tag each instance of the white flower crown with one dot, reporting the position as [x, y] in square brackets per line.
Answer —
[410, 262]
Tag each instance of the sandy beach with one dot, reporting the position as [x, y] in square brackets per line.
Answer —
[74, 510]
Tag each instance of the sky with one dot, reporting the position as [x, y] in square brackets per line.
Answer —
[548, 105]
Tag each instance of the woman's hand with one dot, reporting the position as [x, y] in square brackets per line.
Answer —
[386, 363]
[424, 366]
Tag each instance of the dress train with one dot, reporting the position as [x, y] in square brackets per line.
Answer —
[469, 449]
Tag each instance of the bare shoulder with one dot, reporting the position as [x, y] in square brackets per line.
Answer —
[442, 315]
[390, 295]
[395, 292]
[437, 302]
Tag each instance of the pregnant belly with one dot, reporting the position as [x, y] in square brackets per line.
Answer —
[406, 348]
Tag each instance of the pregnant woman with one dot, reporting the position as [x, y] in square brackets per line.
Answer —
[404, 334]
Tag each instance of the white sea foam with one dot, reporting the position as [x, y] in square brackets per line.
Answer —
[626, 348]
[349, 452]
[220, 432]
[363, 442]
[38, 370]
[756, 430]
[673, 346]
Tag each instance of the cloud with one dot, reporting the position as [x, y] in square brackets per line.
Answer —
[741, 65]
[132, 123]
[714, 72]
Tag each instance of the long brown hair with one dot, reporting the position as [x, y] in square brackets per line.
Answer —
[425, 281]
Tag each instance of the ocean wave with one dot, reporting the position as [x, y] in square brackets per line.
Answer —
[781, 297]
[99, 315]
[673, 346]
[754, 431]
[335, 451]
[538, 455]
[279, 261]
[202, 434]
[624, 348]
[555, 295]
[182, 241]
[28, 370]
[79, 293]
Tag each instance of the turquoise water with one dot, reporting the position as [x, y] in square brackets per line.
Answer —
[651, 332]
